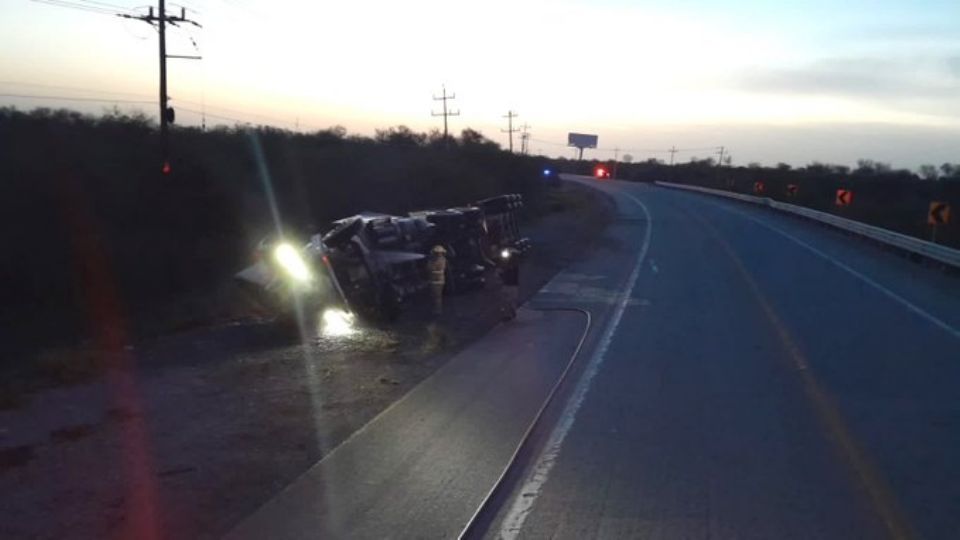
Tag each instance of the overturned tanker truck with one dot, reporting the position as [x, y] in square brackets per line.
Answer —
[372, 264]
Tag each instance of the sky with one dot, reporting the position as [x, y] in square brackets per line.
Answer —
[795, 82]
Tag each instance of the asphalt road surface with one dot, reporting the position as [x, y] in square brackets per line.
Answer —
[767, 378]
[746, 375]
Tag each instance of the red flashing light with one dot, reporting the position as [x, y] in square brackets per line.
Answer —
[166, 167]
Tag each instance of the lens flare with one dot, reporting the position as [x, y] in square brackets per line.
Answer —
[291, 261]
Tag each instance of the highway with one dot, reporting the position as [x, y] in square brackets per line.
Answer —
[746, 374]
[774, 379]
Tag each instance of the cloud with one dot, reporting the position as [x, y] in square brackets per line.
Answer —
[953, 66]
[916, 33]
[867, 78]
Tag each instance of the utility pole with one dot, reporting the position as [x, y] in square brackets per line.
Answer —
[616, 160]
[524, 139]
[720, 162]
[160, 18]
[673, 150]
[510, 116]
[164, 108]
[444, 98]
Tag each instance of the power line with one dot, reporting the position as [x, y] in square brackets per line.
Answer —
[211, 115]
[104, 5]
[69, 98]
[672, 150]
[166, 112]
[240, 121]
[260, 117]
[136, 35]
[161, 19]
[445, 98]
[144, 102]
[186, 7]
[107, 92]
[547, 142]
[245, 113]
[524, 138]
[510, 129]
[636, 150]
[70, 88]
[78, 6]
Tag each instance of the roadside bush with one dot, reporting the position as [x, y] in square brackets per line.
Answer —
[93, 230]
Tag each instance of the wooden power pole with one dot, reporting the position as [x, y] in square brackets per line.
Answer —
[161, 19]
[510, 129]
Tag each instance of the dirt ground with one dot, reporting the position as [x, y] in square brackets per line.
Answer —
[194, 431]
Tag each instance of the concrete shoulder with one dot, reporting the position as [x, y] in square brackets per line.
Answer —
[421, 467]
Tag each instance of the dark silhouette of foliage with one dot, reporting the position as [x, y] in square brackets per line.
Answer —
[929, 172]
[474, 140]
[80, 190]
[401, 136]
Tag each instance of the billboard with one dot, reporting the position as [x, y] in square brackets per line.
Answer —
[580, 140]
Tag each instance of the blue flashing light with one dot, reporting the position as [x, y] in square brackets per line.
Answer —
[546, 172]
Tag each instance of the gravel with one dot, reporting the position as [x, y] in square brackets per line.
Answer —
[187, 434]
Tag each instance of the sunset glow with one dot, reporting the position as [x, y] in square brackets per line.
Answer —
[642, 75]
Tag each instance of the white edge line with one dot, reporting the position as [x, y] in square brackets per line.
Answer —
[532, 486]
[890, 294]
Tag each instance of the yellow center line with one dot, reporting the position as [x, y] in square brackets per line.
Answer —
[881, 496]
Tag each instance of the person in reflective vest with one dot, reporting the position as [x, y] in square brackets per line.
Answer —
[438, 276]
[508, 266]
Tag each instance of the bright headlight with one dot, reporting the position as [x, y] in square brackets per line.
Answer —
[337, 322]
[292, 263]
[505, 254]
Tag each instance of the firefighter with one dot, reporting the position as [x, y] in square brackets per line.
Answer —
[438, 276]
[509, 270]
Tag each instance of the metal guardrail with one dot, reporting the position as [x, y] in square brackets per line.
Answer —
[923, 248]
